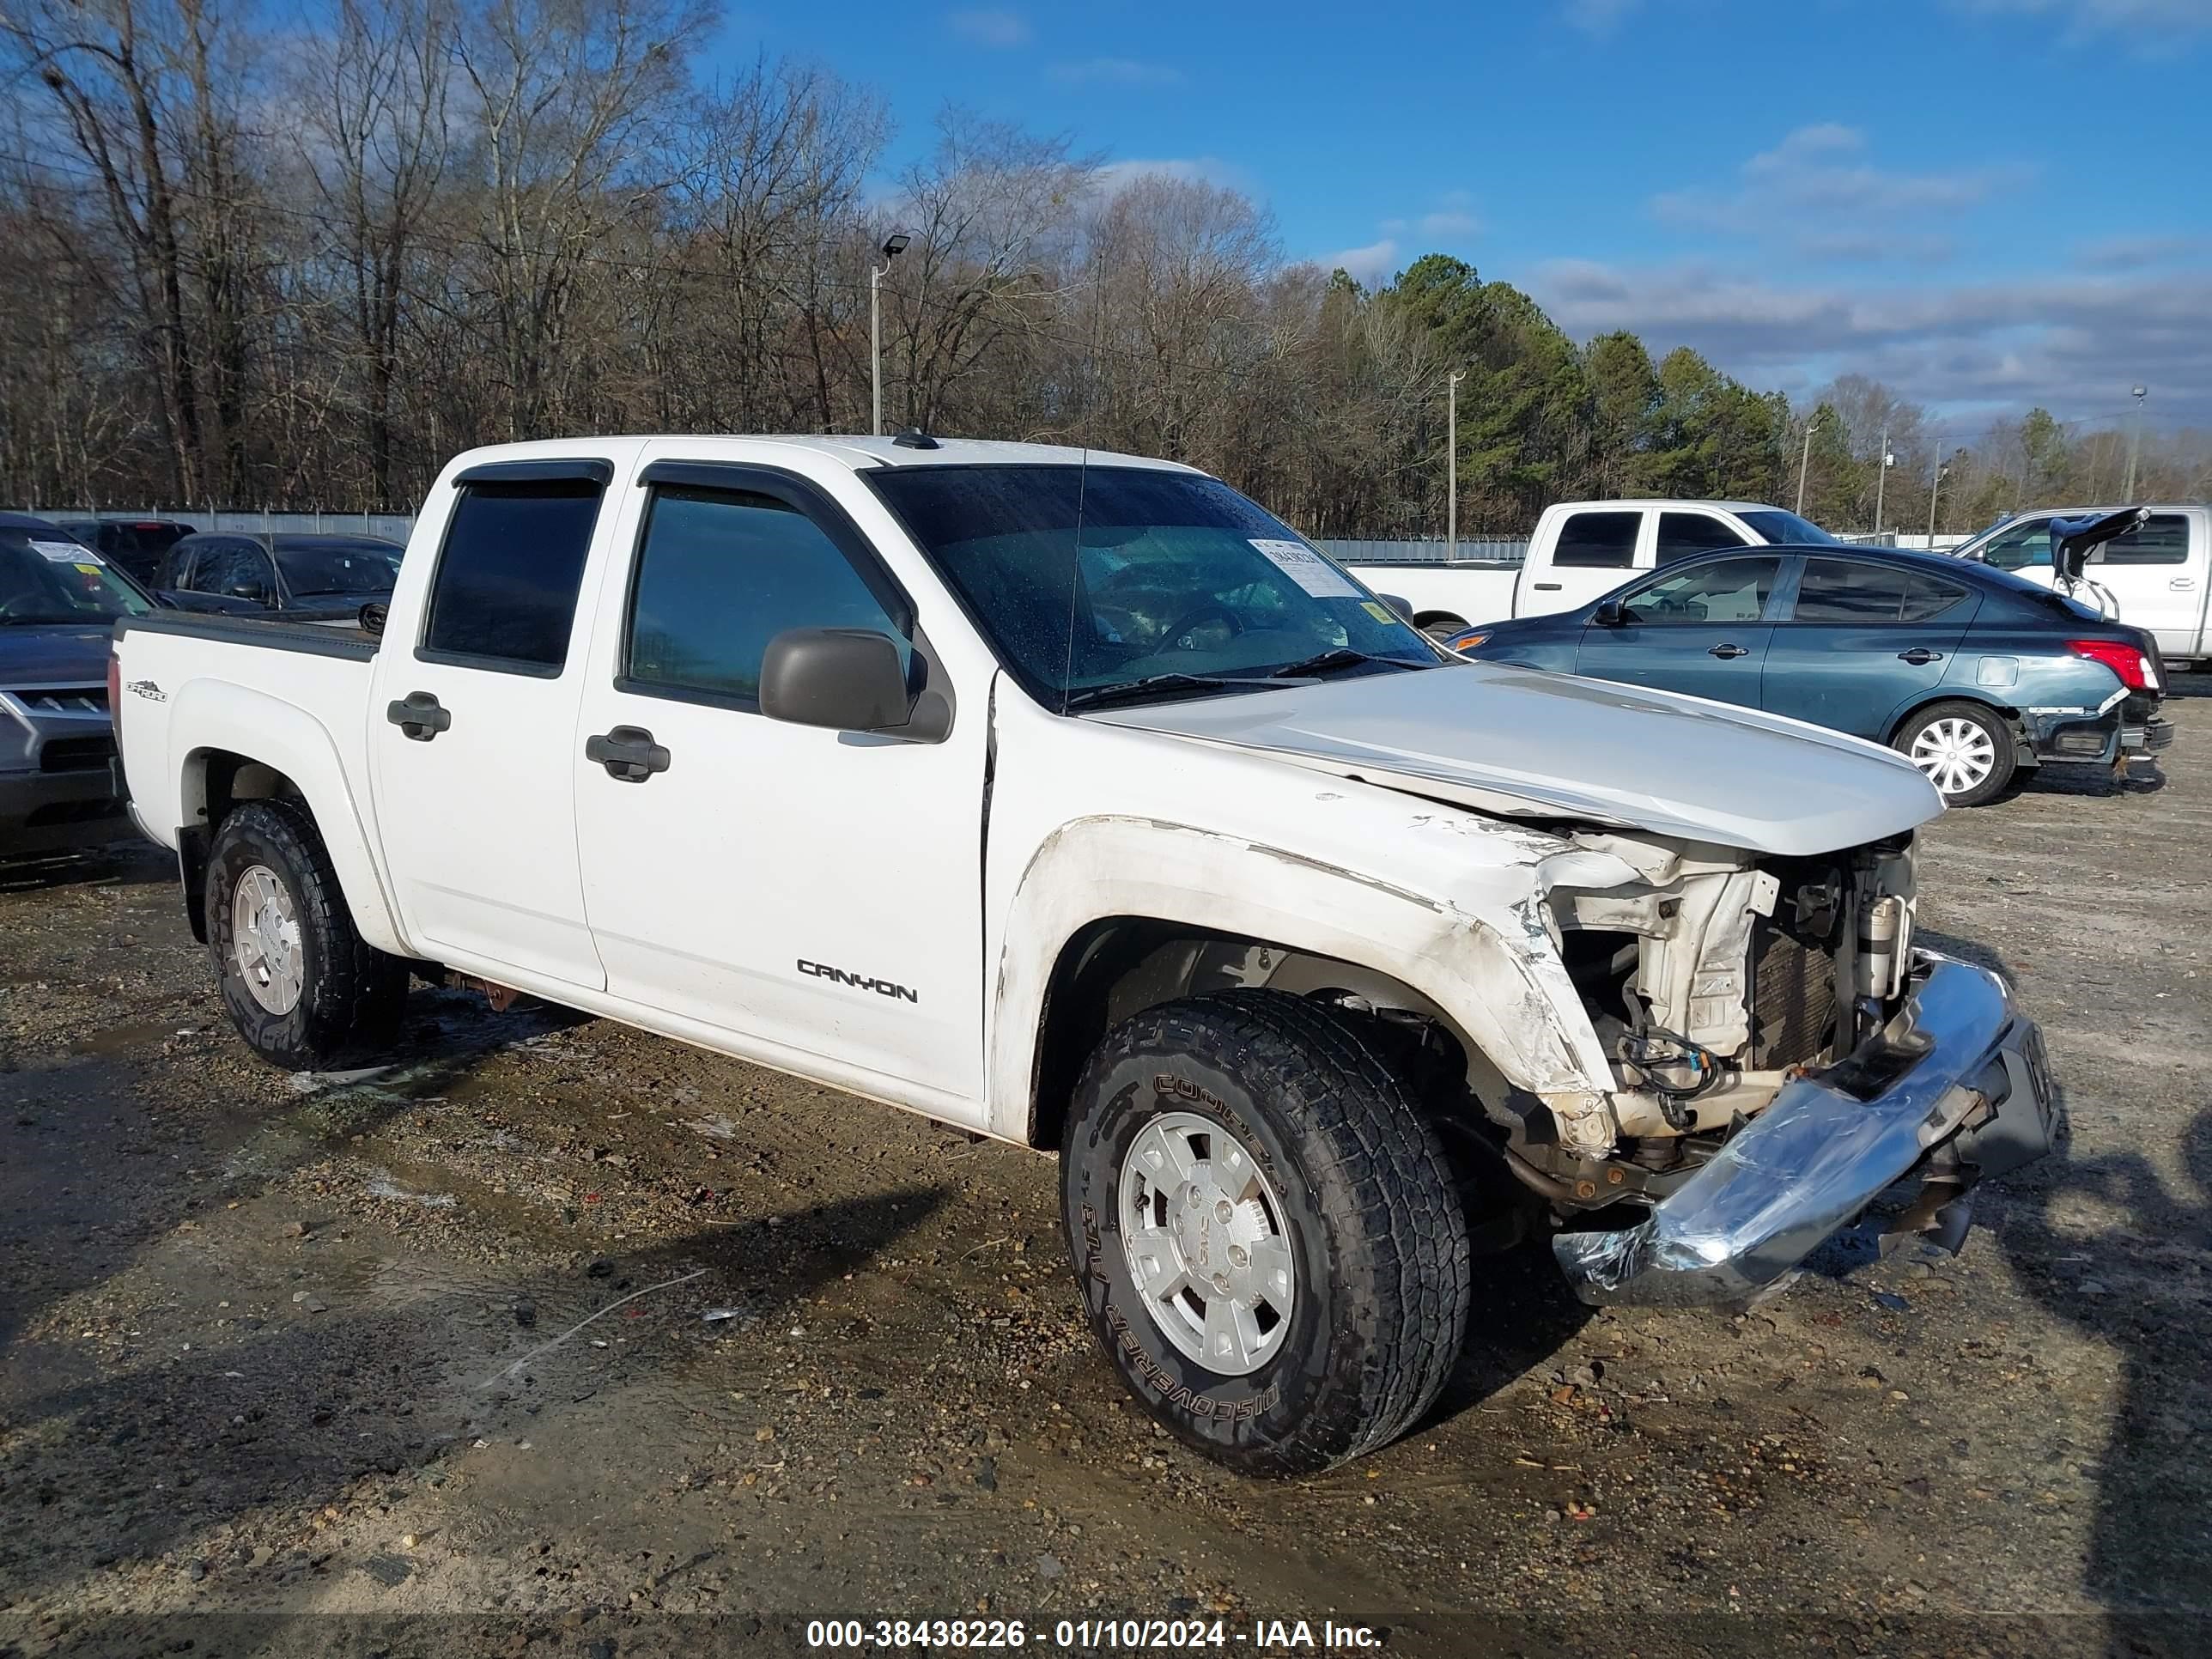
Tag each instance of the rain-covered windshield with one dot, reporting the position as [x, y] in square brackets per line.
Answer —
[47, 578]
[367, 566]
[1174, 580]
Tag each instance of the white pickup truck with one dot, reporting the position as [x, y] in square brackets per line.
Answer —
[2159, 576]
[1075, 801]
[1580, 550]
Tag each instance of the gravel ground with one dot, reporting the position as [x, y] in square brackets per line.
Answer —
[560, 1339]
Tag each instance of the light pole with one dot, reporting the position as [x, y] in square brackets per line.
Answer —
[893, 245]
[1881, 478]
[1805, 461]
[1935, 486]
[2135, 447]
[1451, 461]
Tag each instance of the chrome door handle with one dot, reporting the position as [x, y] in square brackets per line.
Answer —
[1725, 652]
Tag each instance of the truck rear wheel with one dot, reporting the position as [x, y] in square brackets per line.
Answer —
[299, 983]
[1265, 1231]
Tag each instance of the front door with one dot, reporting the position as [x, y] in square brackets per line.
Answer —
[1699, 628]
[810, 889]
[473, 726]
[1862, 641]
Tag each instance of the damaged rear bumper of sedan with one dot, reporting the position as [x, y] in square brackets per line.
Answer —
[1954, 1090]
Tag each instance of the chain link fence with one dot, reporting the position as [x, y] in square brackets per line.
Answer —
[253, 522]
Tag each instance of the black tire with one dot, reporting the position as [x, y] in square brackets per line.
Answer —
[1993, 725]
[1371, 1220]
[1442, 626]
[350, 993]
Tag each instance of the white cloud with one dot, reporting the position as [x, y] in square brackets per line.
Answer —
[1447, 222]
[2073, 343]
[1818, 191]
[1117, 72]
[1369, 266]
[993, 27]
[1598, 18]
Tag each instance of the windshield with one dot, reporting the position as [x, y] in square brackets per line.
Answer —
[1174, 575]
[362, 567]
[49, 579]
[1783, 528]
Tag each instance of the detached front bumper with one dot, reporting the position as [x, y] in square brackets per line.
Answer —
[1955, 1087]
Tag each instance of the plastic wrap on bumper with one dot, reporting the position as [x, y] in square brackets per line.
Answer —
[1827, 1146]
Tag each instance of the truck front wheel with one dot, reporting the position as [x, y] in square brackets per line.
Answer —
[1264, 1230]
[299, 983]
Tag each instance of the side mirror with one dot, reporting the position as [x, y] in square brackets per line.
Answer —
[1403, 608]
[372, 618]
[846, 678]
[253, 592]
[1609, 615]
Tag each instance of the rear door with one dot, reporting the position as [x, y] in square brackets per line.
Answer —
[1861, 640]
[473, 727]
[1699, 628]
[1594, 553]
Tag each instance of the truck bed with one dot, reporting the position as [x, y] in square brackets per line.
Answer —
[292, 694]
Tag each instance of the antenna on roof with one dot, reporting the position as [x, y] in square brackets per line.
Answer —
[915, 438]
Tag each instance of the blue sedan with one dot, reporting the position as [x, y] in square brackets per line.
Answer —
[1968, 670]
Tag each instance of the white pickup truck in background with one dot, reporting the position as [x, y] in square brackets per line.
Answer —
[1074, 800]
[1580, 551]
[2159, 576]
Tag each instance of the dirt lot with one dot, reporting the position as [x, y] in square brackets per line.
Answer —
[294, 1364]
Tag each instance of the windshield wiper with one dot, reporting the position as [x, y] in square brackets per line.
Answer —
[1097, 697]
[91, 620]
[1329, 661]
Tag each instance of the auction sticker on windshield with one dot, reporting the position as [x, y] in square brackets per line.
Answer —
[70, 553]
[1311, 572]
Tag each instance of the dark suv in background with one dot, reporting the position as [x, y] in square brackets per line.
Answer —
[59, 602]
[135, 544]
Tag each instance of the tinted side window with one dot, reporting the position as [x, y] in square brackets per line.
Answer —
[1926, 598]
[1681, 534]
[1601, 541]
[2163, 540]
[504, 592]
[239, 569]
[1725, 591]
[721, 573]
[177, 566]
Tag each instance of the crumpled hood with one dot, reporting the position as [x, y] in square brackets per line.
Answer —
[1522, 743]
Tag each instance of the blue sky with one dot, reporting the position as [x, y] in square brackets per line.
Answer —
[1797, 187]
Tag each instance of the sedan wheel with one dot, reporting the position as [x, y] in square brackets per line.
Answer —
[1966, 752]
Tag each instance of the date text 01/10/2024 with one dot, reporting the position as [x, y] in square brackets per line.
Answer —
[1090, 1635]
